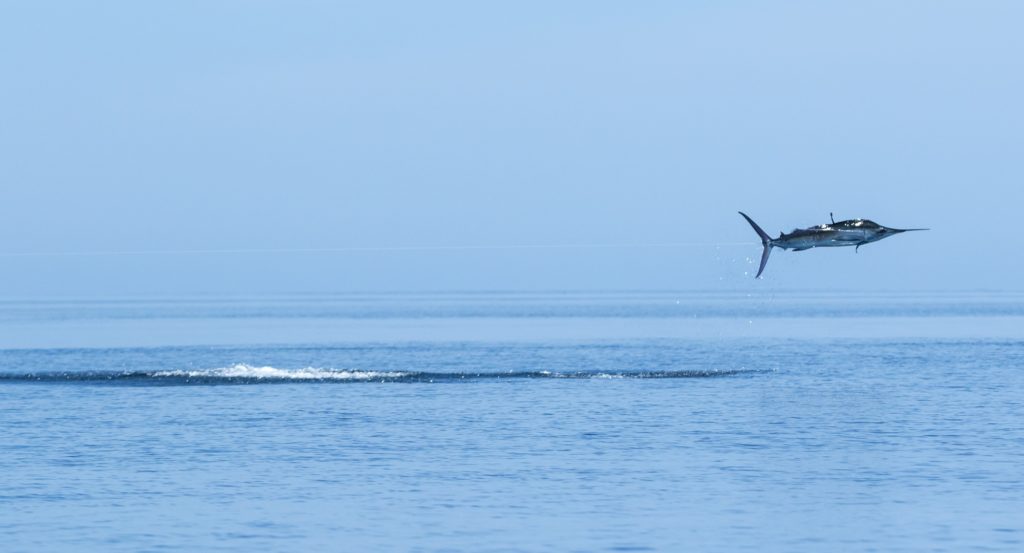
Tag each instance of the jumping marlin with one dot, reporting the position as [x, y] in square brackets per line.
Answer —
[852, 232]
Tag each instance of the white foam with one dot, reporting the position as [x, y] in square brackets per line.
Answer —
[243, 370]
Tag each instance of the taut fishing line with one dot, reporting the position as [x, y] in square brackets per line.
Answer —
[370, 249]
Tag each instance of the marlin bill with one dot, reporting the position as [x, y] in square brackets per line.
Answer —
[851, 232]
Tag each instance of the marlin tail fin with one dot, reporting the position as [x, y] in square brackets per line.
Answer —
[766, 241]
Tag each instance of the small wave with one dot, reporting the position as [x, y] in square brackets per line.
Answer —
[250, 374]
[244, 371]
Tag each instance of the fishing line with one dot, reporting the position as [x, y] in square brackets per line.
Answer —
[369, 249]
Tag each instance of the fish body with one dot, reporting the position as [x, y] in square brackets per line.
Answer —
[851, 232]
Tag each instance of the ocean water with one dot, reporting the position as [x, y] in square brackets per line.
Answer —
[668, 421]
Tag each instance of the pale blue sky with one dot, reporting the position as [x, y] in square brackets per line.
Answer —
[289, 125]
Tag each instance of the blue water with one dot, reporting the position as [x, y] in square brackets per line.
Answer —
[514, 422]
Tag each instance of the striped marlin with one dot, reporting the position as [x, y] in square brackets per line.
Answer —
[852, 232]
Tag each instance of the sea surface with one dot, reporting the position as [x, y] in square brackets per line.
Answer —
[623, 422]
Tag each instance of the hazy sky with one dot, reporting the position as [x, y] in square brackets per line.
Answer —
[148, 126]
